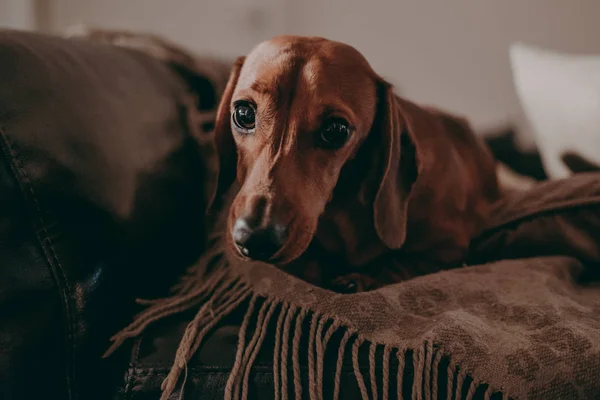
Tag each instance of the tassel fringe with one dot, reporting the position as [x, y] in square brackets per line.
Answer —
[221, 293]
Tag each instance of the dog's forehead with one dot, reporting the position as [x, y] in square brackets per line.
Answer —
[319, 62]
[316, 75]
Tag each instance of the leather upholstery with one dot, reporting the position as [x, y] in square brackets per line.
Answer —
[101, 201]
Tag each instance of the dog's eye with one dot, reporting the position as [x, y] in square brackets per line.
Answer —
[334, 134]
[244, 116]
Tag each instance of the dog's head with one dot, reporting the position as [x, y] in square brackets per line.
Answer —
[295, 113]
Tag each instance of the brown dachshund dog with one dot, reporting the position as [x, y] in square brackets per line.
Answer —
[328, 157]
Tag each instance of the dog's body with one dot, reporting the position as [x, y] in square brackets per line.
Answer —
[328, 157]
[445, 167]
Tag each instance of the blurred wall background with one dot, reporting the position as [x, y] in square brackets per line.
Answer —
[452, 54]
[19, 14]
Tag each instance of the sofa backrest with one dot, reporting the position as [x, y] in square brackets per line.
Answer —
[102, 194]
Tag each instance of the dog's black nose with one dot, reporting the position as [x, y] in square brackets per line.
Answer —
[258, 243]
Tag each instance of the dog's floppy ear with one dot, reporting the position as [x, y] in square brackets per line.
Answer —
[223, 136]
[399, 169]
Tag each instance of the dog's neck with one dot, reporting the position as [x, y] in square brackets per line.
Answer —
[346, 232]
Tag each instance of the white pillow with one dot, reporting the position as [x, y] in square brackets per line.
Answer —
[560, 96]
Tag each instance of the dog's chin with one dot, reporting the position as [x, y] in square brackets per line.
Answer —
[281, 259]
[296, 247]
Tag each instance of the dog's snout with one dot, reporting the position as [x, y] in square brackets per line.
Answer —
[258, 243]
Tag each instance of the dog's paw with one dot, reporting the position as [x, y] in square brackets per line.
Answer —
[352, 283]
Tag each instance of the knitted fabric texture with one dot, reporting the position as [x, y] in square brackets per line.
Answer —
[521, 321]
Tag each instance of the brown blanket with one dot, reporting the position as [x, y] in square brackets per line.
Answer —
[522, 323]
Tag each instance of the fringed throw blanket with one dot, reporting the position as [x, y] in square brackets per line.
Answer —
[522, 323]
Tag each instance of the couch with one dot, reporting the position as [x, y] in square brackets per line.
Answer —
[102, 202]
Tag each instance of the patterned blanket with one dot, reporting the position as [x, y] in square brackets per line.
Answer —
[520, 320]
